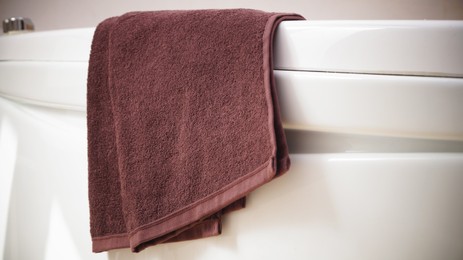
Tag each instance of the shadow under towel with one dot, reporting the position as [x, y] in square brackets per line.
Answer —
[183, 122]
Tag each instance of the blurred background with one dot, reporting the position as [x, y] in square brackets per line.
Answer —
[60, 14]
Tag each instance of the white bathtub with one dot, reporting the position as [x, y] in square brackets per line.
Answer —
[374, 118]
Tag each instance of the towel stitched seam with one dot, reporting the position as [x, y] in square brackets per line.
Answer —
[189, 207]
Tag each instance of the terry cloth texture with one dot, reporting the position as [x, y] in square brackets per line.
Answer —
[183, 122]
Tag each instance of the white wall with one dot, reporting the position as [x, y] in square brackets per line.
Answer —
[58, 14]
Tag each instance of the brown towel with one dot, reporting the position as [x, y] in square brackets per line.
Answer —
[183, 122]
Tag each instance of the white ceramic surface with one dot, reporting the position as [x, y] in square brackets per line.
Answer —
[59, 45]
[47, 216]
[407, 106]
[377, 160]
[342, 206]
[431, 48]
[329, 206]
[62, 84]
[411, 106]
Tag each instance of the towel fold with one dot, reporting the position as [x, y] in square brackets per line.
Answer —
[183, 122]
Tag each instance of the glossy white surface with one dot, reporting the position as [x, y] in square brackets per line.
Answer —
[378, 47]
[420, 107]
[59, 58]
[342, 206]
[384, 47]
[47, 216]
[377, 161]
[410, 106]
[51, 84]
[329, 206]
[8, 149]
[59, 45]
